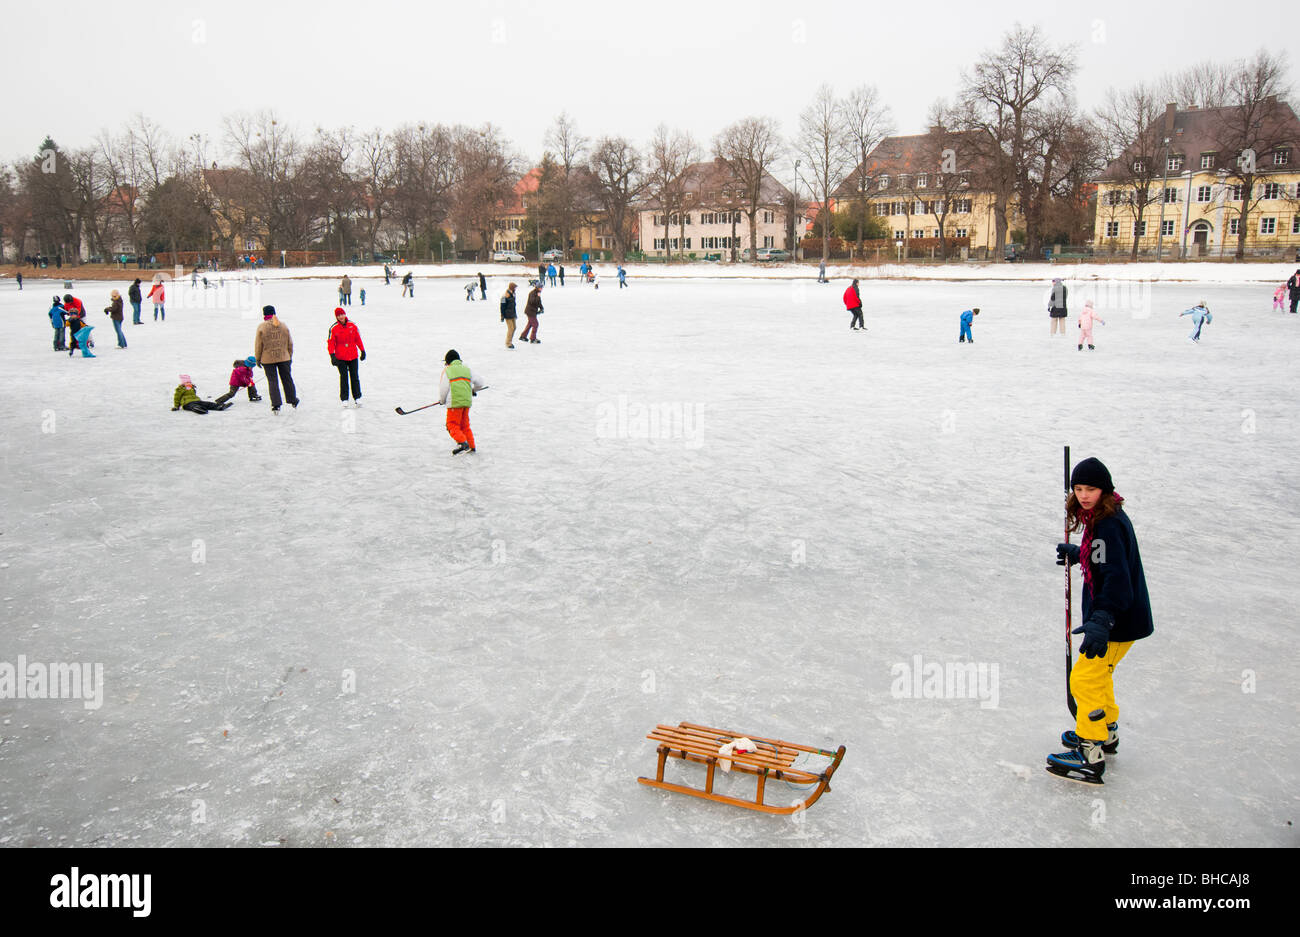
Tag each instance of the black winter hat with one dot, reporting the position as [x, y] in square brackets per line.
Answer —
[1093, 473]
[452, 355]
[268, 311]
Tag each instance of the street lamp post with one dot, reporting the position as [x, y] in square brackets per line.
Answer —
[794, 214]
[1160, 235]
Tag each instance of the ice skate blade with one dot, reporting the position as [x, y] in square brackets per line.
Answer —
[1066, 774]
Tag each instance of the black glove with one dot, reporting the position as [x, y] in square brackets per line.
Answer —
[1066, 549]
[334, 360]
[363, 354]
[1096, 634]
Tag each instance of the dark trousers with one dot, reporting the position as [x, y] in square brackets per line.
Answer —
[530, 330]
[1295, 298]
[275, 373]
[349, 373]
[234, 389]
[203, 406]
[857, 319]
[58, 339]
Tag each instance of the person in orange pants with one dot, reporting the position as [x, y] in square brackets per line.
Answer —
[456, 389]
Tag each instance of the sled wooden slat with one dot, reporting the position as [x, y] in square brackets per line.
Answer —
[773, 759]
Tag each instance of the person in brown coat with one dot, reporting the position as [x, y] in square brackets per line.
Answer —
[508, 314]
[273, 349]
[532, 309]
[114, 311]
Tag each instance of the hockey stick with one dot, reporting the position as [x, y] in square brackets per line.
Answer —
[1069, 657]
[428, 405]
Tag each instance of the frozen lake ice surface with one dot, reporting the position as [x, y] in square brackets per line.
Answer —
[696, 500]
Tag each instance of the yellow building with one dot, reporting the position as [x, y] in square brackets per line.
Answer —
[511, 234]
[1191, 184]
[919, 186]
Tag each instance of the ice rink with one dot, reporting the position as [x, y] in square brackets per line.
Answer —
[696, 500]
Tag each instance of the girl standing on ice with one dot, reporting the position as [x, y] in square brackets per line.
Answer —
[1200, 314]
[1116, 612]
[158, 295]
[1086, 319]
[1279, 299]
[114, 312]
[1056, 306]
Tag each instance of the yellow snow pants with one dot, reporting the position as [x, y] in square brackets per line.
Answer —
[1093, 687]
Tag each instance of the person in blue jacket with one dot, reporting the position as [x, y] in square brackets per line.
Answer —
[1116, 613]
[967, 318]
[622, 277]
[58, 322]
[550, 273]
[1200, 314]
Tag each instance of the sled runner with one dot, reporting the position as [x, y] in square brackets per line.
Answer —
[772, 759]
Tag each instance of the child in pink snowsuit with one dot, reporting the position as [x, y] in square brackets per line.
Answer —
[1279, 299]
[1086, 319]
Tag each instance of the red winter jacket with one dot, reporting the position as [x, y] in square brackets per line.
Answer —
[852, 300]
[157, 294]
[344, 341]
[242, 376]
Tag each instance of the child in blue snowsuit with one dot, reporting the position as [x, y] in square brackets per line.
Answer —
[1200, 314]
[56, 320]
[967, 318]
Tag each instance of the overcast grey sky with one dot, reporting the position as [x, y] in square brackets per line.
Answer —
[78, 67]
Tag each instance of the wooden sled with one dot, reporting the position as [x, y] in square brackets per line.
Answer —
[773, 759]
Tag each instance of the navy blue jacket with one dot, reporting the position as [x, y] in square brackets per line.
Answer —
[1118, 585]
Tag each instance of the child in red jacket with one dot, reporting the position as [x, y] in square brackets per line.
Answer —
[242, 376]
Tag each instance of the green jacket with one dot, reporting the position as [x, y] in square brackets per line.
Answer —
[462, 393]
[184, 395]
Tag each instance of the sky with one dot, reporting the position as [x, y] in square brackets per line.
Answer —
[615, 69]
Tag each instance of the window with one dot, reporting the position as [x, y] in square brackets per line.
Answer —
[961, 233]
[1295, 224]
[930, 208]
[769, 218]
[884, 182]
[918, 207]
[1202, 193]
[1167, 228]
[962, 206]
[898, 235]
[1171, 195]
[1268, 226]
[1140, 229]
[1234, 193]
[1174, 164]
[1207, 160]
[1281, 157]
[963, 178]
[1139, 166]
[1272, 190]
[1234, 226]
[768, 241]
[1112, 229]
[921, 180]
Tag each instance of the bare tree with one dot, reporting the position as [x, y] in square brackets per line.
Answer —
[617, 181]
[1000, 99]
[1248, 133]
[1132, 127]
[270, 155]
[750, 148]
[867, 122]
[425, 174]
[486, 172]
[376, 177]
[326, 172]
[672, 152]
[564, 201]
[1204, 85]
[828, 148]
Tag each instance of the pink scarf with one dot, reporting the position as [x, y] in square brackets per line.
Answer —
[1085, 548]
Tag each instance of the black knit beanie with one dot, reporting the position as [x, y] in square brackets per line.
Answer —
[1093, 473]
[452, 355]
